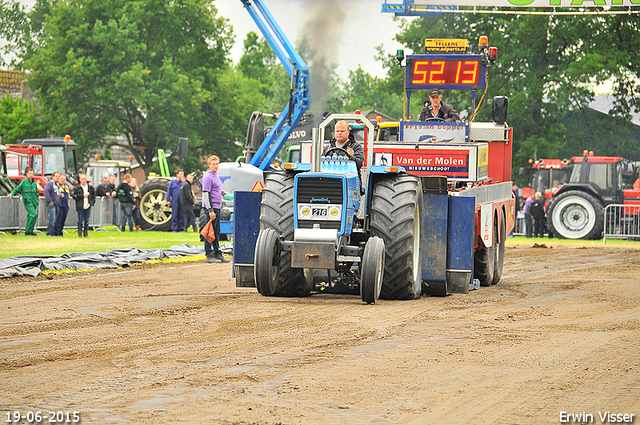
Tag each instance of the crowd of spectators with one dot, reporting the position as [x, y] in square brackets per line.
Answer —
[58, 194]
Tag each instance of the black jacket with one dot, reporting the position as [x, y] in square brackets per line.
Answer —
[446, 113]
[358, 152]
[125, 193]
[104, 190]
[78, 195]
[185, 199]
[537, 208]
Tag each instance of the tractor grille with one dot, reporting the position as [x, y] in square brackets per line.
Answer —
[319, 190]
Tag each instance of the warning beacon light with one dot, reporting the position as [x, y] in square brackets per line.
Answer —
[493, 54]
[483, 42]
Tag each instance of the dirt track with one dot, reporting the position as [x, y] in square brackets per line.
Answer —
[179, 343]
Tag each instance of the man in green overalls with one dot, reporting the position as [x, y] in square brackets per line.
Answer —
[28, 188]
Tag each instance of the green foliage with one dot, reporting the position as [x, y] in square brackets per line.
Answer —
[20, 119]
[146, 70]
[257, 60]
[364, 92]
[600, 133]
[14, 23]
[261, 71]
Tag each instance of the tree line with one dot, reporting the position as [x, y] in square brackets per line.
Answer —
[151, 72]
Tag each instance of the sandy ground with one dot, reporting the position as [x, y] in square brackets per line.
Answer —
[179, 343]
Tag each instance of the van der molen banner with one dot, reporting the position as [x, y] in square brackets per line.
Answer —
[528, 3]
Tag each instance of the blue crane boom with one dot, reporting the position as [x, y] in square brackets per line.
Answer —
[299, 91]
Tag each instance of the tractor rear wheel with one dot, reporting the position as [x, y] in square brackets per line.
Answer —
[485, 262]
[396, 211]
[576, 215]
[372, 270]
[154, 211]
[276, 212]
[497, 269]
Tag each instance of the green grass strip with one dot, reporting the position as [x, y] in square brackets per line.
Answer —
[14, 245]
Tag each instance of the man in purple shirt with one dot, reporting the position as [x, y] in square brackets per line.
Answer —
[211, 203]
[528, 218]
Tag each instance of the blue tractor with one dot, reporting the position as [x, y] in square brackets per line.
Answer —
[314, 217]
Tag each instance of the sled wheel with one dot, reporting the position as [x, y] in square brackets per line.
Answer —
[485, 261]
[497, 270]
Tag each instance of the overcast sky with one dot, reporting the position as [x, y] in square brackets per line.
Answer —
[355, 28]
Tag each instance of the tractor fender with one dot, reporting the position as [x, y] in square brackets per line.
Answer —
[584, 187]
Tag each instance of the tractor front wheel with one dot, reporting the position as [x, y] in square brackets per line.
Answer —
[372, 270]
[276, 213]
[267, 258]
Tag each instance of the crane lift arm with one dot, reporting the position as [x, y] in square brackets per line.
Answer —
[299, 91]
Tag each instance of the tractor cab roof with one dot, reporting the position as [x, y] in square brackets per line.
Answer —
[51, 141]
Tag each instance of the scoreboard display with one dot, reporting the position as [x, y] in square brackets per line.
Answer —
[445, 72]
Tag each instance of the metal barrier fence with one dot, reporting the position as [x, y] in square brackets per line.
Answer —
[519, 229]
[105, 212]
[621, 221]
[13, 216]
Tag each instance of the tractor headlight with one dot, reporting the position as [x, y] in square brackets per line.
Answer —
[334, 212]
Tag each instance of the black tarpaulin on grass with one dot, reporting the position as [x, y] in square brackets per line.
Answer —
[111, 259]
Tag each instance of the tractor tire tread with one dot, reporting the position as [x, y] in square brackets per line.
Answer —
[395, 207]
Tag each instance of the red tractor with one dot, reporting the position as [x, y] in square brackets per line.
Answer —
[44, 156]
[546, 177]
[577, 208]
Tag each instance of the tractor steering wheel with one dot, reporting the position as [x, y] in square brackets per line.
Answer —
[435, 119]
[339, 149]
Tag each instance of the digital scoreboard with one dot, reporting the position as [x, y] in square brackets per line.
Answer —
[445, 72]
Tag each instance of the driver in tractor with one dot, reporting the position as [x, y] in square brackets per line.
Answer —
[343, 139]
[434, 108]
